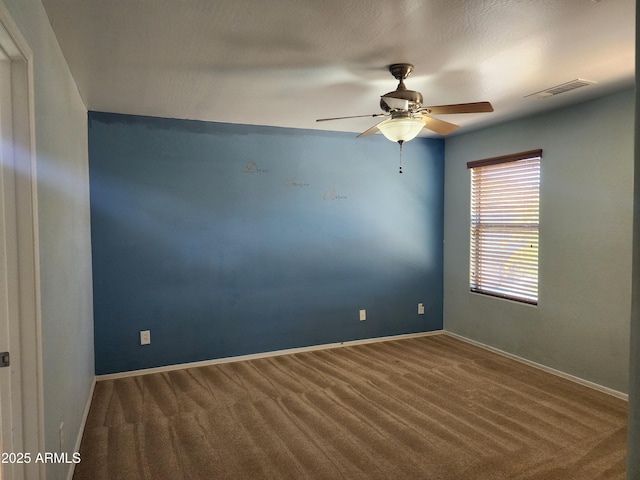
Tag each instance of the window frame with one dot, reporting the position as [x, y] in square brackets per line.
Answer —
[477, 226]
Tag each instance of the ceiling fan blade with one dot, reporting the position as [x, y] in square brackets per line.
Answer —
[438, 126]
[395, 103]
[476, 107]
[353, 116]
[370, 131]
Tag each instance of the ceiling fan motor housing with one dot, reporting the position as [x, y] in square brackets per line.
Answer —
[401, 71]
[414, 98]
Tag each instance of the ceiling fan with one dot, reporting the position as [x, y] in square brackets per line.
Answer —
[407, 115]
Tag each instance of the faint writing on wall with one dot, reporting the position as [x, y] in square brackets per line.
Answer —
[333, 195]
[293, 182]
[252, 167]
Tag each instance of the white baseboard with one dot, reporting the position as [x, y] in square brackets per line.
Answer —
[539, 366]
[83, 423]
[253, 356]
[290, 351]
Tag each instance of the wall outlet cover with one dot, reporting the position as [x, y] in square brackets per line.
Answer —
[145, 337]
[363, 315]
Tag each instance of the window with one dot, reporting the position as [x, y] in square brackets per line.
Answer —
[505, 197]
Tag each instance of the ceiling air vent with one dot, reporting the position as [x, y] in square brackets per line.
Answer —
[563, 87]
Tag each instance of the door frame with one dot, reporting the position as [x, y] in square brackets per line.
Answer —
[25, 327]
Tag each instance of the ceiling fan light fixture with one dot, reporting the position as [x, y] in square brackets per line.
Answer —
[401, 129]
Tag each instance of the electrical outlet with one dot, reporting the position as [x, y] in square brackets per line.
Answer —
[145, 337]
[363, 315]
[421, 309]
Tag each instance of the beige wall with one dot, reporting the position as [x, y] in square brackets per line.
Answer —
[581, 324]
[64, 232]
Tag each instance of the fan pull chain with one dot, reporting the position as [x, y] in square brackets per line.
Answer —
[400, 142]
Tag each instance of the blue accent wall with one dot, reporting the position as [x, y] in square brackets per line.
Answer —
[227, 240]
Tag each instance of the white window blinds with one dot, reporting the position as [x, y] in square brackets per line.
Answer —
[505, 197]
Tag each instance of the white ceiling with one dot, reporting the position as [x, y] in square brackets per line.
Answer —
[288, 62]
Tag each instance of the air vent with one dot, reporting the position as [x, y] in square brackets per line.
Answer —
[562, 88]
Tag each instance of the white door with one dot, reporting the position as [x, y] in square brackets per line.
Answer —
[10, 425]
[21, 402]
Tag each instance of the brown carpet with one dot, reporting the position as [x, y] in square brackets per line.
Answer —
[424, 408]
